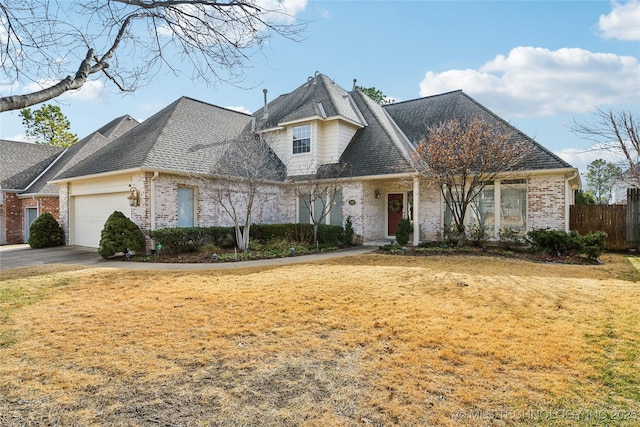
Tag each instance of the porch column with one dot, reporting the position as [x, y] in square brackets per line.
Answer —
[416, 210]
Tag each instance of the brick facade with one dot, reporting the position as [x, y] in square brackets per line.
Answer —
[546, 202]
[13, 218]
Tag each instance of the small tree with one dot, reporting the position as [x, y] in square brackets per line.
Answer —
[376, 95]
[317, 193]
[45, 232]
[463, 156]
[584, 198]
[236, 181]
[48, 125]
[601, 176]
[403, 232]
[119, 235]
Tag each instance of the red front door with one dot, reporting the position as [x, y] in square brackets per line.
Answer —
[395, 206]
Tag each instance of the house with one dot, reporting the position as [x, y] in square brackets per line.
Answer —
[28, 168]
[620, 185]
[150, 172]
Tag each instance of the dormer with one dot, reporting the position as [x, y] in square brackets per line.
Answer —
[310, 126]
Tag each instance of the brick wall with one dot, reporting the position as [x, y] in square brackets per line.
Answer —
[12, 221]
[546, 202]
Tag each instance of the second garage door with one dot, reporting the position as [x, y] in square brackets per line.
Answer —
[89, 214]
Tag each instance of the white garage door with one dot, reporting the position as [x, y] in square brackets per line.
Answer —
[91, 212]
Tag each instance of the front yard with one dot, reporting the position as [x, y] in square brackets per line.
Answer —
[366, 340]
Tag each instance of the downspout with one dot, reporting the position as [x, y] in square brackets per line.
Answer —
[567, 206]
[152, 201]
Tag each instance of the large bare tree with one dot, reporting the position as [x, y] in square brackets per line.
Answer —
[614, 130]
[60, 44]
[463, 157]
[239, 181]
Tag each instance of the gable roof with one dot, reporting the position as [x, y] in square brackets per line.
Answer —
[318, 97]
[23, 162]
[186, 136]
[414, 116]
[380, 148]
[81, 150]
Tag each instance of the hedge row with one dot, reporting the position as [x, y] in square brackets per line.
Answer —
[183, 240]
[570, 244]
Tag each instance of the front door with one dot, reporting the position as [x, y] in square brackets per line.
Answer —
[395, 206]
[30, 215]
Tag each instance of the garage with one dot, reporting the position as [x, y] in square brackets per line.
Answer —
[90, 212]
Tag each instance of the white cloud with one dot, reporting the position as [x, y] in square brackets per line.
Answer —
[91, 90]
[622, 23]
[285, 10]
[580, 158]
[238, 108]
[533, 81]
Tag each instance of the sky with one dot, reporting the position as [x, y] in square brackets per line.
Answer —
[537, 64]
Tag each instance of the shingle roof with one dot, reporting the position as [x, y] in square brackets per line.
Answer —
[414, 116]
[318, 97]
[84, 148]
[186, 136]
[379, 148]
[22, 162]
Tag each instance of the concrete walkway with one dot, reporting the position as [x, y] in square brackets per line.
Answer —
[17, 256]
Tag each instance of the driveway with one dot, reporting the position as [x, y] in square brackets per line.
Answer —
[15, 256]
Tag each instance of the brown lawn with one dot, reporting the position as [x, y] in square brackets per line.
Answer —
[367, 340]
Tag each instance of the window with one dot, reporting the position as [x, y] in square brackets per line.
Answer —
[185, 207]
[333, 216]
[302, 139]
[483, 212]
[513, 205]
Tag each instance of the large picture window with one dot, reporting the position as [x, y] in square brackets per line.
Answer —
[513, 205]
[307, 211]
[483, 212]
[186, 207]
[302, 139]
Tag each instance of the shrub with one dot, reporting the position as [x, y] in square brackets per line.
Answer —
[118, 235]
[510, 239]
[403, 232]
[45, 232]
[594, 244]
[569, 244]
[478, 235]
[186, 240]
[348, 231]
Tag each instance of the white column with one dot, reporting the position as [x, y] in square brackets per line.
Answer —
[416, 210]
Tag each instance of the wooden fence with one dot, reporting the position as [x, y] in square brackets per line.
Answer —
[611, 219]
[620, 222]
[633, 218]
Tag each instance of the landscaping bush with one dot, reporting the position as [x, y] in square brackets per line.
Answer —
[510, 239]
[186, 240]
[403, 232]
[118, 235]
[45, 232]
[557, 242]
[349, 232]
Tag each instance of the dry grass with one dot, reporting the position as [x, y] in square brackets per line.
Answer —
[372, 340]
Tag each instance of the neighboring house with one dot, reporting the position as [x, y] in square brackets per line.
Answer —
[149, 173]
[621, 184]
[27, 169]
[22, 164]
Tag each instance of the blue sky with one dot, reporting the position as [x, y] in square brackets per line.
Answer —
[537, 64]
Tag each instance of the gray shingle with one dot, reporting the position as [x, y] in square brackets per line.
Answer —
[22, 162]
[414, 116]
[186, 136]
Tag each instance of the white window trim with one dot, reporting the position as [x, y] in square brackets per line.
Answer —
[293, 139]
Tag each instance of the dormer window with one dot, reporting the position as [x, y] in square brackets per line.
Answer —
[302, 139]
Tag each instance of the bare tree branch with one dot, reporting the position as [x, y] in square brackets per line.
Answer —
[133, 39]
[616, 130]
